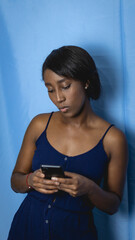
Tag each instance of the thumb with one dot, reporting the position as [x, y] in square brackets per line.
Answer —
[69, 174]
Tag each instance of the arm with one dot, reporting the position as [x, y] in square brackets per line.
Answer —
[24, 161]
[106, 199]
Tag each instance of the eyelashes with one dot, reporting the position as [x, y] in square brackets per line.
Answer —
[63, 88]
[50, 91]
[68, 86]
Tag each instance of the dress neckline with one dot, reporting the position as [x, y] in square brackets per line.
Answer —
[100, 142]
[79, 155]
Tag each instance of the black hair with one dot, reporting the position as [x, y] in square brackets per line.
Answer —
[74, 62]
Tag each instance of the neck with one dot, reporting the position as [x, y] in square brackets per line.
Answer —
[85, 115]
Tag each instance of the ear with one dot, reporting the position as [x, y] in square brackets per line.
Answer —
[87, 84]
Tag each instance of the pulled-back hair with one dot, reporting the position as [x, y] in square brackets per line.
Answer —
[74, 62]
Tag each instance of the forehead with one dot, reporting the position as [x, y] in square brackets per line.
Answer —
[49, 76]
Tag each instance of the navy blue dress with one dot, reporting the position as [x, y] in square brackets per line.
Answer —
[59, 216]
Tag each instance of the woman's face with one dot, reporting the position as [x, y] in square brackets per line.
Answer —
[66, 93]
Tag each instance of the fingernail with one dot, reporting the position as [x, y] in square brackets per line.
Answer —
[54, 178]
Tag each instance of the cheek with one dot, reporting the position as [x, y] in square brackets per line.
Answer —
[78, 94]
[52, 98]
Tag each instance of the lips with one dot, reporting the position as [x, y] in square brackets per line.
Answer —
[64, 109]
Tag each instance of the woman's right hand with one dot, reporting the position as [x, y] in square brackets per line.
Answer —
[38, 182]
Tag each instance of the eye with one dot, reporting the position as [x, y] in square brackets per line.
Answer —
[66, 87]
[50, 90]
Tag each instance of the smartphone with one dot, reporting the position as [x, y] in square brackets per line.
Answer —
[52, 171]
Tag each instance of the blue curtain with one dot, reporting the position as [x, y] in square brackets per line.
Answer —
[29, 30]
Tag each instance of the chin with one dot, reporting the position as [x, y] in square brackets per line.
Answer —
[79, 111]
[73, 114]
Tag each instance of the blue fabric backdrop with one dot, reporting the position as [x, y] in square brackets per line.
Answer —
[29, 30]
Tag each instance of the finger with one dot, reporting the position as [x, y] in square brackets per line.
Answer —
[65, 186]
[39, 173]
[69, 174]
[62, 180]
[51, 182]
[51, 187]
[44, 183]
[43, 186]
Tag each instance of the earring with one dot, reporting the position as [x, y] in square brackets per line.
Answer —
[86, 87]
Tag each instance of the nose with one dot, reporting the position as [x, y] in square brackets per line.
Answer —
[60, 96]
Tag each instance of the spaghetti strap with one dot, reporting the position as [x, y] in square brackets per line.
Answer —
[48, 120]
[107, 131]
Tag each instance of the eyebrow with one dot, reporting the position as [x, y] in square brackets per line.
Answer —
[59, 81]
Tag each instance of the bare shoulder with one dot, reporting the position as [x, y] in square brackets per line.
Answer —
[40, 119]
[37, 125]
[115, 141]
[115, 136]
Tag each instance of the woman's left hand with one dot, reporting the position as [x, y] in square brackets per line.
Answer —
[76, 184]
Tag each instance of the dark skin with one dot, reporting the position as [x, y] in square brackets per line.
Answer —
[75, 121]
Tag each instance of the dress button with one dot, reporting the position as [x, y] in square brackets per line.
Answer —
[46, 221]
[65, 158]
[49, 206]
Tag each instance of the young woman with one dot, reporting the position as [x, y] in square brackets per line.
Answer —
[86, 146]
